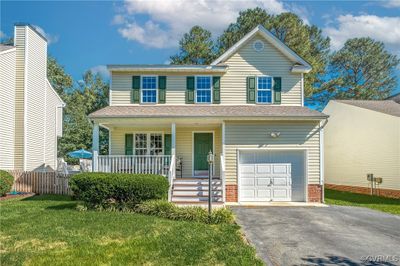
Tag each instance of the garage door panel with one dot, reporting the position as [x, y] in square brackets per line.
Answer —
[280, 169]
[247, 169]
[264, 194]
[263, 169]
[263, 181]
[271, 176]
[248, 181]
[281, 181]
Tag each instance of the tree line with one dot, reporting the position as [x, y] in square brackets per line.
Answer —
[361, 69]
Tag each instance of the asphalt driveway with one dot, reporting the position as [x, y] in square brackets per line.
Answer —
[334, 235]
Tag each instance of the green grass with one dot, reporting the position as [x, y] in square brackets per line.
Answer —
[388, 205]
[46, 230]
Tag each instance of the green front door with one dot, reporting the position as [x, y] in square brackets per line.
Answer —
[203, 143]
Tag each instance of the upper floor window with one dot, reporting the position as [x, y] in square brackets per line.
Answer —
[203, 89]
[149, 89]
[264, 89]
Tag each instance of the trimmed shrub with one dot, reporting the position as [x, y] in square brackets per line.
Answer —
[6, 182]
[104, 190]
[169, 210]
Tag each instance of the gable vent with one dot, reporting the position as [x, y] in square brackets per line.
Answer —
[258, 45]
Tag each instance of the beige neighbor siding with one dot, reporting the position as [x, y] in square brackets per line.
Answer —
[53, 107]
[254, 135]
[360, 141]
[247, 62]
[7, 107]
[19, 41]
[36, 70]
[184, 143]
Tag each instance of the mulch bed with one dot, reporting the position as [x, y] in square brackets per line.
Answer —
[20, 195]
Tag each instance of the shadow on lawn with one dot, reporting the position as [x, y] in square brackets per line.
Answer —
[67, 206]
[48, 198]
[339, 260]
[359, 198]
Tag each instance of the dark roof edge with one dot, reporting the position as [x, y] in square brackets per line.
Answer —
[32, 28]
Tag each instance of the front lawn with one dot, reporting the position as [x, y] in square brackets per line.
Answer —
[46, 230]
[335, 197]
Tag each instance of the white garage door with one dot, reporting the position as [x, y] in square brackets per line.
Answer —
[271, 176]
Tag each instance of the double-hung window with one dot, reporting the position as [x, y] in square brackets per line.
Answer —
[149, 89]
[203, 89]
[264, 89]
[148, 144]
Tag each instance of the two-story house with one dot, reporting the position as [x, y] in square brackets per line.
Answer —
[31, 112]
[246, 107]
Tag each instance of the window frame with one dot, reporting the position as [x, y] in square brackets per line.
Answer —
[141, 88]
[195, 89]
[272, 89]
[148, 141]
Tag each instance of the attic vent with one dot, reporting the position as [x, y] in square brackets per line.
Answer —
[258, 46]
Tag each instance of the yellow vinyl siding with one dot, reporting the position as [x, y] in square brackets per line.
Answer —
[254, 135]
[360, 141]
[7, 108]
[247, 62]
[184, 143]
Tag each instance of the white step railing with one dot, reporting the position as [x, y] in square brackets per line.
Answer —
[222, 174]
[134, 164]
[171, 176]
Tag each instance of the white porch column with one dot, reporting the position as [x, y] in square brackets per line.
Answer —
[95, 147]
[223, 138]
[222, 174]
[173, 139]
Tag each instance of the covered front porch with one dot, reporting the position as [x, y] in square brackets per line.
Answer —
[174, 148]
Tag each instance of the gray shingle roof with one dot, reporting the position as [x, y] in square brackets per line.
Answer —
[5, 47]
[207, 111]
[387, 106]
[395, 98]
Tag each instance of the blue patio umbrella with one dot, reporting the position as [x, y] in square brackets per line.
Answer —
[82, 154]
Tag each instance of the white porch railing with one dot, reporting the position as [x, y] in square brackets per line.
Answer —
[222, 174]
[171, 176]
[134, 164]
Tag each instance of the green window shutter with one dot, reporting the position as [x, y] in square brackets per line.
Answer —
[189, 89]
[128, 144]
[277, 89]
[167, 144]
[216, 89]
[251, 89]
[162, 87]
[135, 89]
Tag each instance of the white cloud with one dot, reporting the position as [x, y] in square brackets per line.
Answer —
[384, 29]
[50, 37]
[169, 19]
[391, 3]
[101, 70]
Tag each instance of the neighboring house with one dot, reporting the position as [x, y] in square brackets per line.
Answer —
[30, 109]
[363, 137]
[395, 98]
[247, 107]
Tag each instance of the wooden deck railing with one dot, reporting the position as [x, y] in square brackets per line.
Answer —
[134, 164]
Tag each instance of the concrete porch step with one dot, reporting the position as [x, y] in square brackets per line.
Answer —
[195, 187]
[195, 193]
[186, 198]
[203, 182]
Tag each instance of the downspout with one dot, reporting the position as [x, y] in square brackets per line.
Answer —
[321, 156]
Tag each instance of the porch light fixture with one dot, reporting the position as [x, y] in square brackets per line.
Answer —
[275, 135]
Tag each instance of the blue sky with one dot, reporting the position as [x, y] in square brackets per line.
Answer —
[90, 34]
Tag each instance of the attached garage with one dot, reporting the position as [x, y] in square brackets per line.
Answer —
[272, 175]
